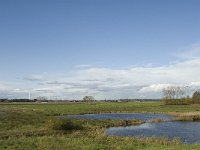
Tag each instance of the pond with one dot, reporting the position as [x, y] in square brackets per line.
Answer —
[122, 116]
[188, 132]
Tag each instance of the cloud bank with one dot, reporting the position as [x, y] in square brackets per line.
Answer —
[107, 83]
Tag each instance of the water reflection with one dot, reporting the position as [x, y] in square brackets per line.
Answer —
[122, 116]
[188, 132]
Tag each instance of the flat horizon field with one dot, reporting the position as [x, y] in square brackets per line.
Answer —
[36, 126]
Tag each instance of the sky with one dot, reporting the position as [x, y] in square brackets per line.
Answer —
[109, 49]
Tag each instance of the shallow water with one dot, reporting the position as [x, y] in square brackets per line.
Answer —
[188, 132]
[122, 116]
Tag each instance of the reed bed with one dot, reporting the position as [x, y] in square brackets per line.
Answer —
[187, 116]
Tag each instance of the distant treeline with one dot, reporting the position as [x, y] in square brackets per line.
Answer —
[39, 100]
[18, 100]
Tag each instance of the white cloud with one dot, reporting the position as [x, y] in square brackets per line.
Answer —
[134, 82]
[35, 77]
[195, 83]
[83, 66]
[5, 87]
[153, 88]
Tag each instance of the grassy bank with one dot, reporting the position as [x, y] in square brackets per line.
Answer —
[34, 126]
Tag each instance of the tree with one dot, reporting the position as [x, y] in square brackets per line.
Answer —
[176, 95]
[88, 99]
[196, 96]
[41, 98]
[169, 92]
[174, 92]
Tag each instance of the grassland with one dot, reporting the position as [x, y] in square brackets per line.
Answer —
[35, 126]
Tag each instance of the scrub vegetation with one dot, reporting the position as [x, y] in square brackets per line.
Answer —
[176, 95]
[38, 126]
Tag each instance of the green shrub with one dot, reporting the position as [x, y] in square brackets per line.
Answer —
[182, 101]
[196, 97]
[62, 124]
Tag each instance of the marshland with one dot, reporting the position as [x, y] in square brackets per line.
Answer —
[99, 75]
[42, 126]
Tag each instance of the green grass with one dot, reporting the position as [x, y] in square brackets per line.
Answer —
[35, 126]
[99, 107]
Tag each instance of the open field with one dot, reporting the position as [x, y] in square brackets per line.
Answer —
[35, 126]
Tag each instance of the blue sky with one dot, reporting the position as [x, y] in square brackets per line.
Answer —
[69, 42]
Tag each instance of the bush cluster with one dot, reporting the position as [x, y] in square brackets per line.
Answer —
[184, 101]
[62, 124]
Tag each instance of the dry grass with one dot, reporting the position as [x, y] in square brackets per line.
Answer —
[188, 116]
[156, 121]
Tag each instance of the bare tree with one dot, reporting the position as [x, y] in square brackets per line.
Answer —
[174, 92]
[169, 92]
[41, 98]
